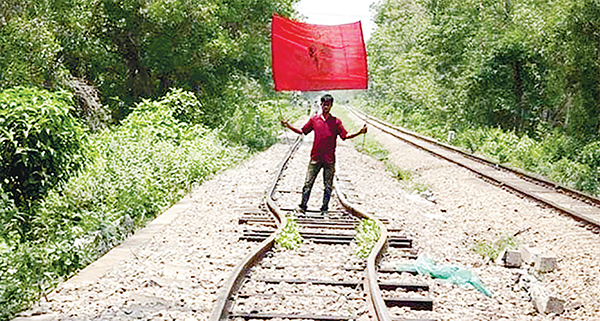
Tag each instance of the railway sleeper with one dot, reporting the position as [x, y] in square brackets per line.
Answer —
[422, 304]
[385, 285]
[309, 231]
[267, 316]
[261, 238]
[310, 214]
[395, 270]
[321, 222]
[324, 238]
[310, 219]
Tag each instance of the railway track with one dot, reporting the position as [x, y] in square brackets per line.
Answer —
[581, 206]
[331, 283]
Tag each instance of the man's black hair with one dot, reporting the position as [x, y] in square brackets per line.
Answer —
[327, 98]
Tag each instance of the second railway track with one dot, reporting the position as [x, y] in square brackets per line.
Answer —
[581, 206]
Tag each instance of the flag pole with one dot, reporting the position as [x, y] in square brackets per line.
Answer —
[281, 115]
[363, 142]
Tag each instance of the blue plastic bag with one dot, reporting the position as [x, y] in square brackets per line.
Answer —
[455, 274]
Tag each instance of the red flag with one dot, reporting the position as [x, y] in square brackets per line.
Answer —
[309, 57]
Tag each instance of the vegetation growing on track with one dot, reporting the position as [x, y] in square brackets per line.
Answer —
[367, 235]
[290, 237]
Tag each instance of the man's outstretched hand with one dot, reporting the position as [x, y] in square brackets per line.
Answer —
[287, 125]
[363, 130]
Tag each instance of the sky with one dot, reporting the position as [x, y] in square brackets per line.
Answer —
[334, 12]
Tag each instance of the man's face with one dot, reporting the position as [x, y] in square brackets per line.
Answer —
[325, 107]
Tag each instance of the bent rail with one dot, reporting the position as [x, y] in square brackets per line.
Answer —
[232, 285]
[377, 304]
[234, 282]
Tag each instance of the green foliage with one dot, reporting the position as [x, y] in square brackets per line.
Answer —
[135, 171]
[590, 155]
[29, 54]
[290, 237]
[552, 154]
[41, 147]
[200, 46]
[253, 122]
[139, 169]
[185, 81]
[21, 278]
[492, 142]
[518, 65]
[581, 172]
[10, 218]
[398, 173]
[372, 148]
[367, 235]
[491, 250]
[182, 105]
[28, 271]
[135, 49]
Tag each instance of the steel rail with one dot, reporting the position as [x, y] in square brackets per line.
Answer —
[232, 285]
[374, 297]
[376, 303]
[557, 188]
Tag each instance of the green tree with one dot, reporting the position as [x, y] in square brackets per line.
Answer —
[577, 46]
[30, 54]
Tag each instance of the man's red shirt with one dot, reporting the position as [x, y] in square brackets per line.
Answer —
[326, 132]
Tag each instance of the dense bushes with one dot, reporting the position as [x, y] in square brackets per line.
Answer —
[29, 54]
[40, 145]
[133, 172]
[138, 169]
[252, 122]
[515, 65]
[67, 196]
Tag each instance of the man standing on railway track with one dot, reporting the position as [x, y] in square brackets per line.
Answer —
[322, 156]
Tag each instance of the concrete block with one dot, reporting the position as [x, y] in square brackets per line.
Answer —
[529, 253]
[509, 258]
[512, 259]
[545, 302]
[545, 263]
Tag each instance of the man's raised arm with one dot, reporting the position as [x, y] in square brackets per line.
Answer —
[361, 131]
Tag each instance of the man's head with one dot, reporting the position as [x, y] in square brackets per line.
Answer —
[326, 103]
